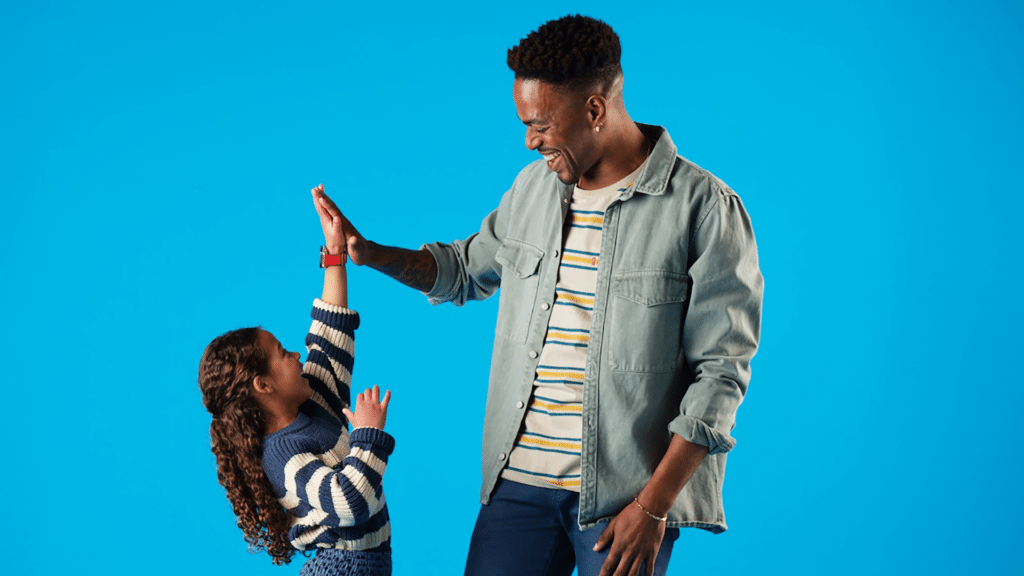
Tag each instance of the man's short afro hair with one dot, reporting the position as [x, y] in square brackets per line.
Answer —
[571, 51]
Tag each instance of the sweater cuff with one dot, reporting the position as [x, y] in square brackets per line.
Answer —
[693, 430]
[366, 436]
[335, 316]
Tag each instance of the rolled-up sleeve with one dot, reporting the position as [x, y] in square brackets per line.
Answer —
[722, 325]
[466, 269]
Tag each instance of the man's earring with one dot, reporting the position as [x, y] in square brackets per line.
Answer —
[597, 128]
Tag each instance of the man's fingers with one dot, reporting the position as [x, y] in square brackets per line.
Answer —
[649, 564]
[603, 539]
[610, 565]
[634, 570]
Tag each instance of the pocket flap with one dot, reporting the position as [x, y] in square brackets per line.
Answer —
[519, 258]
[651, 287]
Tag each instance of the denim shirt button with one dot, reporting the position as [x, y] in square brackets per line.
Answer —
[520, 404]
[545, 306]
[501, 456]
[533, 353]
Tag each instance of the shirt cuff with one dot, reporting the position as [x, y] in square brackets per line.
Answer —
[693, 430]
[441, 292]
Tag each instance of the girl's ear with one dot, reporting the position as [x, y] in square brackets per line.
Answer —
[261, 385]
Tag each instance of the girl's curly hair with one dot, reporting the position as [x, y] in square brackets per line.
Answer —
[571, 51]
[226, 371]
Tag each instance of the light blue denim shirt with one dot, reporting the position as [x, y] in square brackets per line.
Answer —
[676, 320]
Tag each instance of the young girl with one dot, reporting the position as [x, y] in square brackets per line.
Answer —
[295, 476]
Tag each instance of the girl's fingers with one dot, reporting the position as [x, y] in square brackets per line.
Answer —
[386, 400]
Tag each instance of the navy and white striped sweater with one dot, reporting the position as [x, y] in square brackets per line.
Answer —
[328, 480]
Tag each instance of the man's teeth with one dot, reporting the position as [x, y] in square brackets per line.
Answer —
[552, 156]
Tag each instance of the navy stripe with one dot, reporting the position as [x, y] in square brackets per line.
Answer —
[329, 351]
[588, 227]
[584, 330]
[574, 292]
[570, 344]
[574, 305]
[547, 475]
[546, 381]
[563, 264]
[581, 252]
[552, 437]
[554, 400]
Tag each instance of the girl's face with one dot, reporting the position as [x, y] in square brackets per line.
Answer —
[284, 371]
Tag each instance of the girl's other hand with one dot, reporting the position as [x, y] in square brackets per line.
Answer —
[371, 409]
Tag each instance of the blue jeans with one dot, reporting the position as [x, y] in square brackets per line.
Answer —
[531, 531]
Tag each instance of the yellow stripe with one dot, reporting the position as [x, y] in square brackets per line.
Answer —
[588, 219]
[577, 299]
[550, 443]
[579, 259]
[567, 336]
[562, 374]
[557, 407]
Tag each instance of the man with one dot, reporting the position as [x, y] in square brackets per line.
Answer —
[629, 311]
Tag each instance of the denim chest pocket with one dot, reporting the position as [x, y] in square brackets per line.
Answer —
[520, 263]
[647, 311]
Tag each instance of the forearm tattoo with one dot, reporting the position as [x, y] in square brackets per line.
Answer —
[414, 268]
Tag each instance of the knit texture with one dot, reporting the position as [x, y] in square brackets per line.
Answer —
[328, 480]
[348, 563]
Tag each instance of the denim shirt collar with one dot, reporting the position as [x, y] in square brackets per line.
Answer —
[653, 179]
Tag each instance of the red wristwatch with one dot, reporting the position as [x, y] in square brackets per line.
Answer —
[328, 259]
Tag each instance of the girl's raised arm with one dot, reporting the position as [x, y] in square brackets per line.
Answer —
[334, 225]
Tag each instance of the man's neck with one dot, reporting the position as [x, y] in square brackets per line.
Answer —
[625, 150]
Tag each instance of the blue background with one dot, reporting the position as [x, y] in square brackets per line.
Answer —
[156, 165]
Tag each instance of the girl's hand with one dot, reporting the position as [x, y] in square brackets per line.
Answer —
[340, 236]
[371, 410]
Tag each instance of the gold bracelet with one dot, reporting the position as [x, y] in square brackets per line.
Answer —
[648, 512]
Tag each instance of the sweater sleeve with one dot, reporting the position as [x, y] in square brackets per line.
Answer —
[330, 355]
[320, 495]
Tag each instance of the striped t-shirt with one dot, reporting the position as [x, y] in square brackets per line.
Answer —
[547, 451]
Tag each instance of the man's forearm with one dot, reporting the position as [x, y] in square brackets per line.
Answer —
[673, 472]
[414, 268]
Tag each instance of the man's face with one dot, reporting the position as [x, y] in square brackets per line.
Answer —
[558, 126]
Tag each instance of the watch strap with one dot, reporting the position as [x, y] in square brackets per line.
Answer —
[328, 259]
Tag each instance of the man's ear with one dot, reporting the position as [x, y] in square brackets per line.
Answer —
[597, 108]
[262, 385]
